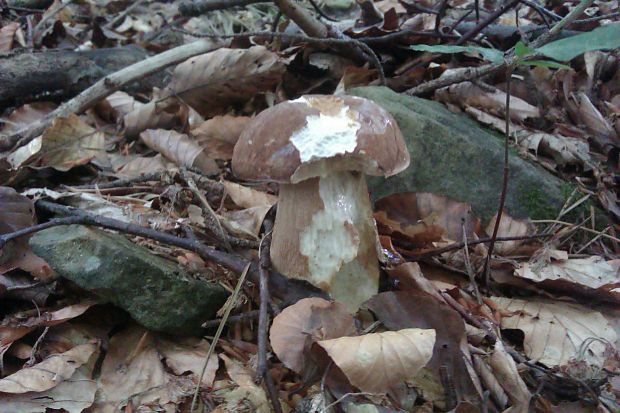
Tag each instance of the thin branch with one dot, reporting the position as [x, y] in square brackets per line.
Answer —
[487, 21]
[230, 303]
[263, 318]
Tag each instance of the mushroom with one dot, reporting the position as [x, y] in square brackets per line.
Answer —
[317, 148]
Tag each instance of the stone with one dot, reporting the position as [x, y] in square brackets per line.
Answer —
[452, 155]
[154, 291]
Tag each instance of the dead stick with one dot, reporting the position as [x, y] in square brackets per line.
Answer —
[104, 88]
[263, 315]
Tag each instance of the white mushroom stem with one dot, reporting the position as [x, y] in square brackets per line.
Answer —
[325, 233]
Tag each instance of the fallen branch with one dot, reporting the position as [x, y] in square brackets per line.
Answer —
[287, 290]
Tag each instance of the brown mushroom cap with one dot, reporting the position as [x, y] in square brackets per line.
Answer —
[317, 134]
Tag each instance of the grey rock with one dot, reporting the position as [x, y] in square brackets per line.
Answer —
[453, 156]
[154, 291]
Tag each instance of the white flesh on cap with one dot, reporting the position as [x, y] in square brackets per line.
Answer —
[325, 234]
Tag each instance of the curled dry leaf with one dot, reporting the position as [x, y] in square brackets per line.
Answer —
[188, 356]
[246, 222]
[7, 34]
[71, 395]
[467, 94]
[180, 149]
[422, 218]
[165, 114]
[128, 373]
[245, 197]
[211, 82]
[133, 166]
[309, 320]
[247, 392]
[374, 362]
[509, 227]
[563, 149]
[555, 333]
[50, 372]
[17, 212]
[416, 309]
[69, 142]
[219, 134]
[25, 115]
[507, 374]
[592, 275]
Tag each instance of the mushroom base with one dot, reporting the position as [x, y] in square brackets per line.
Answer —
[324, 233]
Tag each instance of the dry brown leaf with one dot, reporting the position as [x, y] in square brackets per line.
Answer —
[17, 212]
[25, 115]
[213, 81]
[180, 149]
[563, 149]
[592, 273]
[467, 94]
[118, 105]
[7, 34]
[245, 197]
[555, 333]
[245, 223]
[374, 362]
[491, 382]
[50, 372]
[132, 366]
[507, 374]
[591, 117]
[134, 166]
[187, 356]
[219, 134]
[422, 218]
[69, 142]
[509, 227]
[72, 395]
[399, 310]
[309, 320]
[248, 394]
[164, 114]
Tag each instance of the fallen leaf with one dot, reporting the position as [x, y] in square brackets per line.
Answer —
[219, 134]
[509, 227]
[245, 223]
[422, 218]
[7, 34]
[246, 197]
[48, 373]
[67, 143]
[248, 394]
[157, 114]
[593, 274]
[134, 166]
[72, 395]
[507, 375]
[188, 356]
[24, 115]
[555, 333]
[180, 149]
[309, 320]
[374, 362]
[213, 81]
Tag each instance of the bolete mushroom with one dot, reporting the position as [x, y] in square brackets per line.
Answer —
[318, 147]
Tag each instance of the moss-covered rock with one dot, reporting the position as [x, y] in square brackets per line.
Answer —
[151, 289]
[453, 156]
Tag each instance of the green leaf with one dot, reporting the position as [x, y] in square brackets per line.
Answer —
[493, 55]
[604, 37]
[544, 63]
[522, 50]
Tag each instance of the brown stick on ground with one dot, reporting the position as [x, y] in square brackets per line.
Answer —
[105, 87]
[288, 290]
[263, 315]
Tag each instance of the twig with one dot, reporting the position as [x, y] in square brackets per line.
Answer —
[51, 14]
[459, 245]
[490, 19]
[263, 317]
[250, 315]
[229, 306]
[506, 169]
[105, 87]
[124, 13]
[290, 291]
[371, 56]
[212, 220]
[462, 75]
